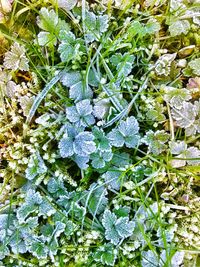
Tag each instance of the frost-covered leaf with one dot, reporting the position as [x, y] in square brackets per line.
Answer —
[95, 26]
[123, 63]
[79, 144]
[38, 249]
[15, 59]
[49, 22]
[36, 167]
[101, 107]
[113, 179]
[70, 47]
[99, 159]
[26, 103]
[84, 144]
[46, 209]
[195, 66]
[176, 96]
[185, 116]
[106, 255]
[185, 154]
[126, 133]
[116, 228]
[152, 26]
[67, 5]
[156, 141]
[149, 259]
[163, 64]
[82, 161]
[56, 187]
[32, 202]
[178, 27]
[101, 140]
[81, 113]
[177, 258]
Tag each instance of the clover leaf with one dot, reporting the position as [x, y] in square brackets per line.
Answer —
[127, 133]
[81, 113]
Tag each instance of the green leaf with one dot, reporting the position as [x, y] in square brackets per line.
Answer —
[106, 255]
[178, 27]
[195, 66]
[38, 249]
[15, 59]
[36, 166]
[116, 229]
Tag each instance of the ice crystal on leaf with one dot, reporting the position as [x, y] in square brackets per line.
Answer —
[175, 96]
[70, 47]
[7, 86]
[51, 25]
[116, 228]
[81, 113]
[106, 255]
[113, 178]
[126, 133]
[78, 90]
[95, 26]
[15, 59]
[163, 64]
[179, 27]
[156, 141]
[195, 66]
[36, 167]
[79, 144]
[184, 154]
[188, 117]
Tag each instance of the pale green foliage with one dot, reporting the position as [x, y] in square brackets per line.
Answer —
[123, 63]
[175, 96]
